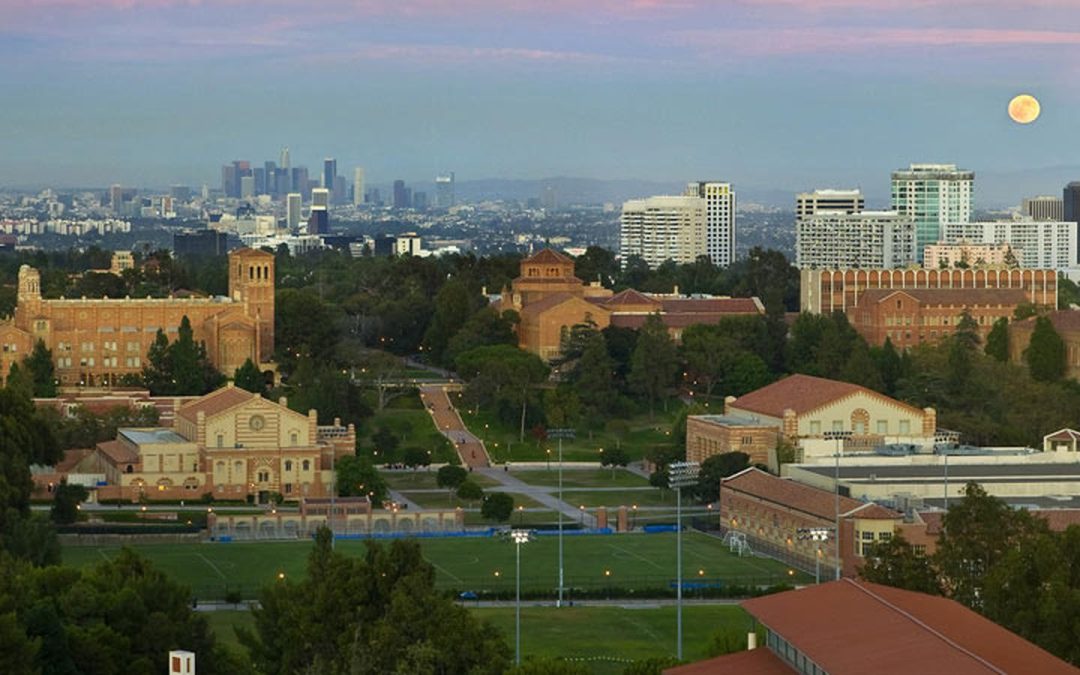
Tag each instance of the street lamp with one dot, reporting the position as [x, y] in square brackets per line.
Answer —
[816, 535]
[519, 537]
[839, 437]
[680, 475]
[560, 434]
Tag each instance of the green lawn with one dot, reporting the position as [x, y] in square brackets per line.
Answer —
[636, 435]
[519, 519]
[438, 500]
[581, 478]
[650, 497]
[630, 561]
[425, 480]
[411, 423]
[603, 637]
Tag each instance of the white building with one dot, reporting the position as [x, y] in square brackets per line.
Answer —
[868, 239]
[358, 186]
[293, 203]
[932, 195]
[1037, 244]
[809, 203]
[407, 243]
[719, 219]
[320, 198]
[663, 228]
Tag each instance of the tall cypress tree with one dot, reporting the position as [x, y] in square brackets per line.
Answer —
[40, 365]
[1045, 354]
[997, 342]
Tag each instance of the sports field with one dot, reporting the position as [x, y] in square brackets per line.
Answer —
[620, 563]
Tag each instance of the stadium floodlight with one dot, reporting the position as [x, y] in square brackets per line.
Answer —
[815, 534]
[560, 434]
[680, 475]
[519, 537]
[839, 436]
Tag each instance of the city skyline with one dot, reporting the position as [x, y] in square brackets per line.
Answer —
[786, 94]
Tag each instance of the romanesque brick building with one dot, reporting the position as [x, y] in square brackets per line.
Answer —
[94, 342]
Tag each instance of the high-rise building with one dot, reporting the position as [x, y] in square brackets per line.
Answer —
[269, 186]
[300, 182]
[932, 195]
[719, 219]
[200, 243]
[401, 198]
[549, 199]
[1071, 204]
[247, 187]
[358, 186]
[873, 239]
[329, 173]
[116, 197]
[285, 158]
[809, 203]
[663, 228]
[1036, 243]
[339, 195]
[292, 210]
[1043, 207]
[318, 221]
[231, 175]
[320, 198]
[419, 200]
[180, 193]
[444, 191]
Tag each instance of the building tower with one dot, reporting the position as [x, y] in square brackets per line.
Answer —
[251, 281]
[329, 173]
[444, 191]
[358, 186]
[662, 228]
[1043, 207]
[292, 210]
[401, 200]
[932, 195]
[719, 220]
[284, 157]
[808, 204]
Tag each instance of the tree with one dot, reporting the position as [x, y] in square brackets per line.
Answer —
[484, 327]
[1045, 354]
[655, 363]
[562, 407]
[378, 613]
[385, 443]
[614, 457]
[497, 506]
[250, 378]
[504, 376]
[455, 303]
[40, 366]
[357, 476]
[597, 264]
[716, 468]
[470, 491]
[706, 352]
[451, 477]
[66, 500]
[897, 563]
[861, 368]
[157, 373]
[414, 457]
[997, 342]
[593, 377]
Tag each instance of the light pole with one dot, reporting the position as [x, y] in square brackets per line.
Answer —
[560, 434]
[680, 475]
[839, 437]
[816, 535]
[519, 537]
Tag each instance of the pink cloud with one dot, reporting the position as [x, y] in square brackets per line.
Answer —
[452, 54]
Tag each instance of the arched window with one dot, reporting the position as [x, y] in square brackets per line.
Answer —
[129, 469]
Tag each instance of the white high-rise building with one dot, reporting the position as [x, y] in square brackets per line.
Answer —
[444, 191]
[292, 210]
[1042, 244]
[719, 219]
[358, 186]
[284, 157]
[932, 195]
[320, 198]
[867, 239]
[809, 203]
[664, 228]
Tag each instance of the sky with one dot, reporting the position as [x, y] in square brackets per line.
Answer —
[787, 94]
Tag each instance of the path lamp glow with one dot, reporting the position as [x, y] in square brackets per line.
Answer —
[519, 537]
[839, 437]
[680, 475]
[560, 434]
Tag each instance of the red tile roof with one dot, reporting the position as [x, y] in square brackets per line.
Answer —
[850, 626]
[631, 297]
[1065, 320]
[118, 453]
[215, 402]
[803, 393]
[786, 492]
[547, 256]
[550, 301]
[759, 661]
[1064, 435]
[713, 305]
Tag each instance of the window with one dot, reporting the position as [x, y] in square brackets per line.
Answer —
[815, 427]
[288, 488]
[868, 536]
[288, 465]
[883, 427]
[294, 439]
[264, 476]
[221, 440]
[884, 536]
[307, 465]
[905, 426]
[838, 425]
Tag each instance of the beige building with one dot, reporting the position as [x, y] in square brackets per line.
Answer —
[230, 443]
[966, 254]
[664, 228]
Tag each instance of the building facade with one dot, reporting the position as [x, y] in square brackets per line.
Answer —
[932, 195]
[95, 342]
[825, 291]
[358, 186]
[664, 228]
[911, 317]
[1043, 207]
[709, 435]
[846, 201]
[965, 255]
[871, 239]
[1042, 244]
[719, 220]
[1067, 324]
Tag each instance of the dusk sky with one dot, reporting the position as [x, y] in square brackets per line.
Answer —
[790, 94]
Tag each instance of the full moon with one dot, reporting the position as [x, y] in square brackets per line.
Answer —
[1024, 109]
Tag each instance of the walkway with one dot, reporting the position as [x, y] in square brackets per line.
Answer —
[447, 420]
[542, 494]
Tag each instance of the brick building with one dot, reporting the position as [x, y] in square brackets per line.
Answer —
[550, 299]
[1067, 324]
[826, 291]
[708, 435]
[97, 341]
[909, 317]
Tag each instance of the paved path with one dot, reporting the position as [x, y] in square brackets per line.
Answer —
[543, 494]
[447, 420]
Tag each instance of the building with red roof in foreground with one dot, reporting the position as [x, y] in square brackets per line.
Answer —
[854, 627]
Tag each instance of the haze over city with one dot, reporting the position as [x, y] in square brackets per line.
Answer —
[770, 94]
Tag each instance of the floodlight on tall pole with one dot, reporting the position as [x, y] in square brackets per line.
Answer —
[839, 436]
[519, 537]
[816, 535]
[560, 434]
[680, 475]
